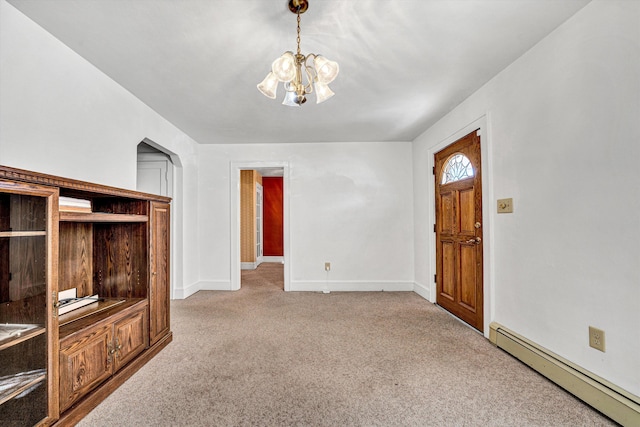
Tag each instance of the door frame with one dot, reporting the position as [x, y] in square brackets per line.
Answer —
[234, 174]
[175, 234]
[487, 212]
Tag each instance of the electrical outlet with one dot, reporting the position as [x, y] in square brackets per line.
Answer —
[327, 266]
[596, 338]
[505, 205]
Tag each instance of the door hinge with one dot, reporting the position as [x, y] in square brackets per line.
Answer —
[434, 228]
[435, 278]
[433, 170]
[54, 298]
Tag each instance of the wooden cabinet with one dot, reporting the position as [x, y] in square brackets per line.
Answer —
[90, 355]
[112, 256]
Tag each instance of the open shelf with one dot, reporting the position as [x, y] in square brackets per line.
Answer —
[101, 217]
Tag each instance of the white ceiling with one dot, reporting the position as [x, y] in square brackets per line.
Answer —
[403, 63]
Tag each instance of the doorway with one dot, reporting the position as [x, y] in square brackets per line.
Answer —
[154, 171]
[266, 169]
[159, 171]
[458, 227]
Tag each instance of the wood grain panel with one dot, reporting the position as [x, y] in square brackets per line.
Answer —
[120, 260]
[84, 363]
[120, 206]
[247, 216]
[467, 211]
[448, 270]
[28, 267]
[159, 283]
[468, 276]
[447, 223]
[75, 267]
[131, 337]
[28, 213]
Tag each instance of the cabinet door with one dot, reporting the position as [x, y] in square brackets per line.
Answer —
[28, 280]
[85, 362]
[131, 337]
[159, 281]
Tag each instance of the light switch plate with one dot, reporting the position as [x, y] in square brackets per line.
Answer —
[505, 205]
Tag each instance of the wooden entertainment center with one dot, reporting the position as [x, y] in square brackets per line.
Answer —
[109, 255]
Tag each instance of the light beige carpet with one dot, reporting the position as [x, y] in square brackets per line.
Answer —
[263, 357]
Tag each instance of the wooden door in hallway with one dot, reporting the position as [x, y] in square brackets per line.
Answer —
[458, 194]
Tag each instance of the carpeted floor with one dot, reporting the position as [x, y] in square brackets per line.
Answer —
[263, 357]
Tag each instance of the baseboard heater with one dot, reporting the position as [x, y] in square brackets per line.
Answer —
[619, 405]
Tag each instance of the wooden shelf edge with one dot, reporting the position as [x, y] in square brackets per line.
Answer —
[24, 337]
[13, 392]
[77, 412]
[75, 321]
[101, 217]
[22, 233]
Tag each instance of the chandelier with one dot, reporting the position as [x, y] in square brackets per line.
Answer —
[300, 74]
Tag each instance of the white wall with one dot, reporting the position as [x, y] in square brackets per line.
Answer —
[62, 116]
[350, 204]
[563, 134]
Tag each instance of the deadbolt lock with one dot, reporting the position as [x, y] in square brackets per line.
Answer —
[477, 225]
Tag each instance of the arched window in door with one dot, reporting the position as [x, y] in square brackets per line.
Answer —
[458, 167]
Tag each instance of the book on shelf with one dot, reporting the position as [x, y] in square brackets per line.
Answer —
[70, 204]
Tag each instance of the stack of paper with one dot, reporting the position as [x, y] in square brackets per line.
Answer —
[69, 204]
[68, 301]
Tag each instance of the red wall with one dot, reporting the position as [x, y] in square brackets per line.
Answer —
[272, 216]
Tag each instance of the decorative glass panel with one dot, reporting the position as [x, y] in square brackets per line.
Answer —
[458, 167]
[23, 309]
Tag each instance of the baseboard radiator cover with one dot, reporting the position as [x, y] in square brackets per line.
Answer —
[616, 403]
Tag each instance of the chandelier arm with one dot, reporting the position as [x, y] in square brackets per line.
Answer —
[312, 74]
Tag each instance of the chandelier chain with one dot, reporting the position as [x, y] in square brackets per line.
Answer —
[298, 38]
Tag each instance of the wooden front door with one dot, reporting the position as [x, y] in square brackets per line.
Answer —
[458, 192]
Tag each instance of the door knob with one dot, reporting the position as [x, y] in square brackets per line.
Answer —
[475, 240]
[477, 225]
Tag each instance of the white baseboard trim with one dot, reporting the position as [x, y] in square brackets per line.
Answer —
[278, 259]
[350, 286]
[203, 285]
[611, 400]
[248, 265]
[422, 290]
